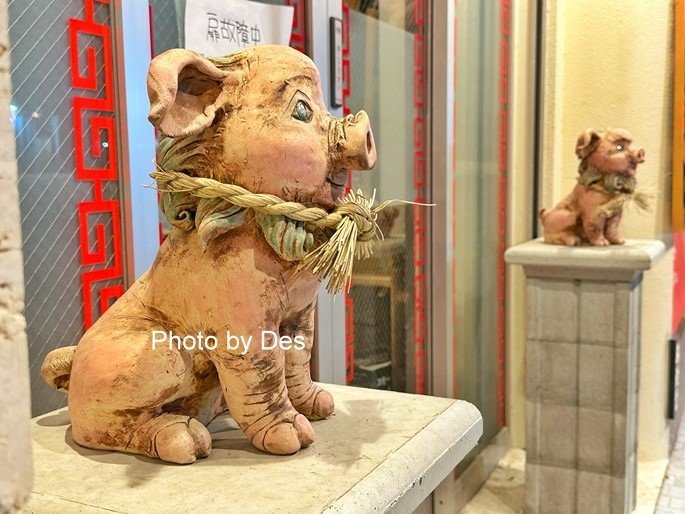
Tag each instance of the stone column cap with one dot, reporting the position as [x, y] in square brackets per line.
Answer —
[634, 255]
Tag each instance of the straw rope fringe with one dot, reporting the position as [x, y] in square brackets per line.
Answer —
[353, 221]
[638, 199]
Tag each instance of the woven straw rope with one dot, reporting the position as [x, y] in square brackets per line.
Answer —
[354, 221]
[170, 181]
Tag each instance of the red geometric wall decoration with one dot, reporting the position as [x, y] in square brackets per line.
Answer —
[298, 38]
[95, 136]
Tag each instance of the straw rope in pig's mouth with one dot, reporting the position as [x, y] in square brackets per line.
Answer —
[621, 186]
[346, 233]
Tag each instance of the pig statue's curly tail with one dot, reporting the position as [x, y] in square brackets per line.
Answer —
[56, 368]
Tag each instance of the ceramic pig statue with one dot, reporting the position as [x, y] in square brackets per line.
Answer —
[606, 182]
[225, 282]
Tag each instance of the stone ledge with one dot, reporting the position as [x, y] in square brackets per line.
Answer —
[636, 254]
[380, 451]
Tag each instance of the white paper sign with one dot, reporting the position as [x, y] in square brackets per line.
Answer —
[220, 27]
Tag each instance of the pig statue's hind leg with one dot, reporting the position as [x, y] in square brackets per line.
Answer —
[558, 226]
[119, 391]
[566, 237]
[307, 397]
[170, 437]
[173, 438]
[257, 398]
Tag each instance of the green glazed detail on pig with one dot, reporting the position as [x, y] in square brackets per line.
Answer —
[211, 217]
[338, 237]
[288, 238]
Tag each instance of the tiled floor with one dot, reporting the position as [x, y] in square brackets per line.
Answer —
[672, 496]
[505, 490]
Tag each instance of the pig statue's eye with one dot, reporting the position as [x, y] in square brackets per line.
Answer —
[302, 112]
[619, 148]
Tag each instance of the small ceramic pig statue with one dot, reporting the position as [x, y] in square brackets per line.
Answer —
[256, 119]
[606, 176]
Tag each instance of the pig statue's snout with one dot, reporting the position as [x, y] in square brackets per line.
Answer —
[640, 156]
[635, 157]
[351, 143]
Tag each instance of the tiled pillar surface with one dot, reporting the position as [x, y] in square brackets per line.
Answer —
[582, 362]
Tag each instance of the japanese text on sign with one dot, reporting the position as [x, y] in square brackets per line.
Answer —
[220, 27]
[232, 30]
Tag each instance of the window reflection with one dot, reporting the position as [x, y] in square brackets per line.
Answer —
[387, 347]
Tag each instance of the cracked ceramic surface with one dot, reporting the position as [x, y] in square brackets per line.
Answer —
[256, 119]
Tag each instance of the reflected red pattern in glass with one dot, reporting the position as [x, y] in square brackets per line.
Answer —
[420, 213]
[502, 203]
[349, 301]
[298, 38]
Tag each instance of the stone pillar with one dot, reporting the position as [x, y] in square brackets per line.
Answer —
[582, 369]
[16, 468]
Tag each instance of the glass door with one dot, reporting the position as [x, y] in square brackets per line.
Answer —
[480, 188]
[389, 316]
[386, 74]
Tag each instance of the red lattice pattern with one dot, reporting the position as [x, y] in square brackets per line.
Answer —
[298, 38]
[349, 301]
[502, 203]
[100, 132]
[420, 213]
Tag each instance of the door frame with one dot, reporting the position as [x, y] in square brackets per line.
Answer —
[329, 364]
[137, 137]
[442, 184]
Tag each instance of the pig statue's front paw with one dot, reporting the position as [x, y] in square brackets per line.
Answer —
[616, 240]
[323, 405]
[316, 403]
[285, 437]
[600, 241]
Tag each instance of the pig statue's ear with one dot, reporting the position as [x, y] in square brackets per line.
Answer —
[587, 143]
[185, 91]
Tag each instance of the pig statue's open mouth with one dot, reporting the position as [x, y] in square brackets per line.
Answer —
[338, 181]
